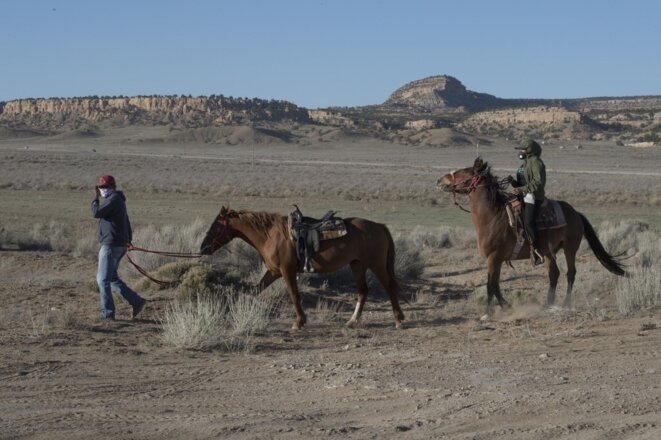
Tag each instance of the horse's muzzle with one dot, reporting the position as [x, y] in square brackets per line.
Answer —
[444, 184]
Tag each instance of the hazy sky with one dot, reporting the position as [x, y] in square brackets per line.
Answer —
[328, 53]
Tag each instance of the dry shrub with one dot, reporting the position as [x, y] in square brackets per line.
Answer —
[171, 273]
[250, 313]
[91, 285]
[198, 280]
[167, 238]
[514, 297]
[641, 290]
[409, 263]
[633, 238]
[44, 321]
[53, 236]
[225, 320]
[326, 311]
[479, 295]
[442, 237]
[591, 279]
[86, 246]
[446, 245]
[425, 297]
[191, 279]
[196, 325]
[237, 256]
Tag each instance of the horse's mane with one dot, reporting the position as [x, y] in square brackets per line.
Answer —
[262, 221]
[496, 195]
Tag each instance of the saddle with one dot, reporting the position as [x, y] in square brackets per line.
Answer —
[307, 232]
[549, 216]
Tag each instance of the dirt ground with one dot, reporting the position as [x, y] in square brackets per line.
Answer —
[530, 373]
[588, 373]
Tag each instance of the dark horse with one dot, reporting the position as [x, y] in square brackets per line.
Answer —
[496, 240]
[367, 245]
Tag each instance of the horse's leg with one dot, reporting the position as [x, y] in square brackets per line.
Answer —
[381, 274]
[494, 265]
[554, 274]
[290, 279]
[358, 272]
[570, 256]
[267, 279]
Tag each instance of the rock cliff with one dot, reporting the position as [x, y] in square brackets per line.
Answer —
[59, 113]
[431, 103]
[441, 93]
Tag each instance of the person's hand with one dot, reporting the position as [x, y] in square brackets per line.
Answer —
[96, 192]
[517, 190]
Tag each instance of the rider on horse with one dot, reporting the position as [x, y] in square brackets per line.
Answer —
[530, 181]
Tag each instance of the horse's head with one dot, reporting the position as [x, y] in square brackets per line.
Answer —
[465, 180]
[219, 234]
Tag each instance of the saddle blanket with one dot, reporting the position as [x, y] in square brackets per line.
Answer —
[550, 215]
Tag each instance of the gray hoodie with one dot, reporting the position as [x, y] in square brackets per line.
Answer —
[114, 227]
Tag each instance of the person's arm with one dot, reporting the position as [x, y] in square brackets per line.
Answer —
[95, 201]
[102, 211]
[514, 181]
[534, 178]
[130, 231]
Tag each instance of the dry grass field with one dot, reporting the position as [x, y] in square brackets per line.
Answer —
[212, 358]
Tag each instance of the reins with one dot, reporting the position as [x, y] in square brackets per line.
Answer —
[164, 253]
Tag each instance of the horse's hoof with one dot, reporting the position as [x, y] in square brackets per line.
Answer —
[399, 325]
[296, 326]
[485, 317]
[351, 323]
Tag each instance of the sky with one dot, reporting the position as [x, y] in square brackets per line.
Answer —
[321, 53]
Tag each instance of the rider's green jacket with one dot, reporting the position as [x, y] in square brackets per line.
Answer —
[535, 172]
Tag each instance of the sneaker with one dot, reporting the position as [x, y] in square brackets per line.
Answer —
[137, 309]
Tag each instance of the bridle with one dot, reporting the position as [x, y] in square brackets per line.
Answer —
[470, 184]
[219, 239]
[473, 183]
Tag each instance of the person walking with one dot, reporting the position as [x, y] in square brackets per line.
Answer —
[114, 234]
[531, 181]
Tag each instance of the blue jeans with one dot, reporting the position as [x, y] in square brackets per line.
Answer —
[108, 280]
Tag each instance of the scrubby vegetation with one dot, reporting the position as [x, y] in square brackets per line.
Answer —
[225, 319]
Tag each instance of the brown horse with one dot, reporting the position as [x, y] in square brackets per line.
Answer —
[496, 240]
[367, 245]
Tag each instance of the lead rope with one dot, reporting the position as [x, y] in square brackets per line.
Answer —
[164, 253]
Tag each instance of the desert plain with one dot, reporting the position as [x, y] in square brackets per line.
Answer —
[589, 372]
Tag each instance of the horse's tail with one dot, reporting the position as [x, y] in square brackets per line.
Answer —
[606, 259]
[390, 266]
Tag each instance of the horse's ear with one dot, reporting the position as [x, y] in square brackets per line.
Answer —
[478, 165]
[223, 210]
